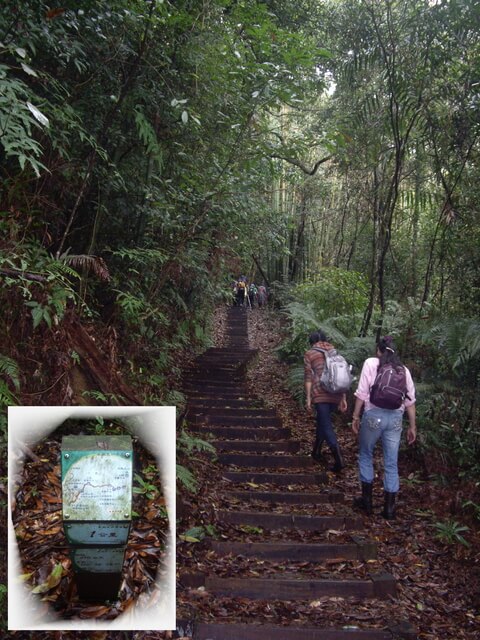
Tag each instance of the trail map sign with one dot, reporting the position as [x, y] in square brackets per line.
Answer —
[97, 506]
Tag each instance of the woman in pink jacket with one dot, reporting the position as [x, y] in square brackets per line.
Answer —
[380, 423]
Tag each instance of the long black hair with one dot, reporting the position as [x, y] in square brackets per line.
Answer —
[388, 352]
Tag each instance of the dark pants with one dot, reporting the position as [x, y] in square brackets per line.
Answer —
[324, 430]
[240, 297]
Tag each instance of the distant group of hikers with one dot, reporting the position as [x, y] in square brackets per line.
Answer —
[385, 391]
[248, 294]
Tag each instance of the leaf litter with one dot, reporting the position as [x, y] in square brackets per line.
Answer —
[438, 586]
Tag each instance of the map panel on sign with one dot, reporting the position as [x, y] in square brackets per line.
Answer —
[98, 486]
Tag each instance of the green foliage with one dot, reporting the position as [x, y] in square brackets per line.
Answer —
[201, 143]
[412, 479]
[99, 396]
[472, 507]
[247, 528]
[43, 283]
[457, 341]
[9, 369]
[186, 479]
[334, 292]
[450, 532]
[295, 382]
[19, 118]
[448, 406]
[3, 434]
[302, 321]
[3, 605]
[199, 533]
[175, 398]
[144, 487]
[187, 443]
[449, 419]
[186, 446]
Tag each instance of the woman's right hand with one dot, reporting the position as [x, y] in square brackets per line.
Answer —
[355, 425]
[411, 434]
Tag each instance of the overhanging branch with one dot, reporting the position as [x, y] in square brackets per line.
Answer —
[300, 165]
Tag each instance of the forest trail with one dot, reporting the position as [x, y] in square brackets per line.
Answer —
[284, 526]
[273, 495]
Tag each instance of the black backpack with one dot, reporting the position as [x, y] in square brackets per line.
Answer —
[390, 387]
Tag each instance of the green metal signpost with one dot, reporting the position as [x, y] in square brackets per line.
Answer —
[97, 510]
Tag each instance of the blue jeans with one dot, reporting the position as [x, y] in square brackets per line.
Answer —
[387, 425]
[324, 430]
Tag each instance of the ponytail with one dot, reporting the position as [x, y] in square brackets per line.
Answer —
[388, 352]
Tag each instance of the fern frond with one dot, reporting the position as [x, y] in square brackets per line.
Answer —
[189, 443]
[10, 369]
[295, 383]
[470, 349]
[142, 256]
[358, 349]
[92, 264]
[7, 398]
[186, 478]
[458, 339]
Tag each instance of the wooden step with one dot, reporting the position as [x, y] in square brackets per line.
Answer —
[288, 497]
[295, 551]
[217, 370]
[217, 394]
[239, 631]
[194, 382]
[278, 479]
[212, 403]
[244, 411]
[223, 351]
[250, 433]
[239, 421]
[381, 586]
[256, 447]
[227, 354]
[289, 521]
[218, 378]
[266, 461]
[227, 362]
[253, 631]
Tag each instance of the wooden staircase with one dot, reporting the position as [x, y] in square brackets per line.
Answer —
[256, 449]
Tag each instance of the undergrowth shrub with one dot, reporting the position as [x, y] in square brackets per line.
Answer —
[449, 408]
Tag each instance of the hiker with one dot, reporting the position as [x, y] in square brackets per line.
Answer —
[233, 290]
[241, 290]
[262, 296]
[325, 402]
[252, 293]
[379, 422]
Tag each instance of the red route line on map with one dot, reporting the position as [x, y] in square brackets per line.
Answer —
[94, 486]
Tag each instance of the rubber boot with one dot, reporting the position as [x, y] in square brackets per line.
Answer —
[317, 450]
[339, 463]
[389, 506]
[365, 502]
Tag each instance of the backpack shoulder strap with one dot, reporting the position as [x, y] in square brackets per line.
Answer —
[324, 351]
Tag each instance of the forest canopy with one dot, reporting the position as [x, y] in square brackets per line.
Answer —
[152, 150]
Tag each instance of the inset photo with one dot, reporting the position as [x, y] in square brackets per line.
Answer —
[91, 531]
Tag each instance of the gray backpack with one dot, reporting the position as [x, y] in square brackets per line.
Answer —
[336, 375]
